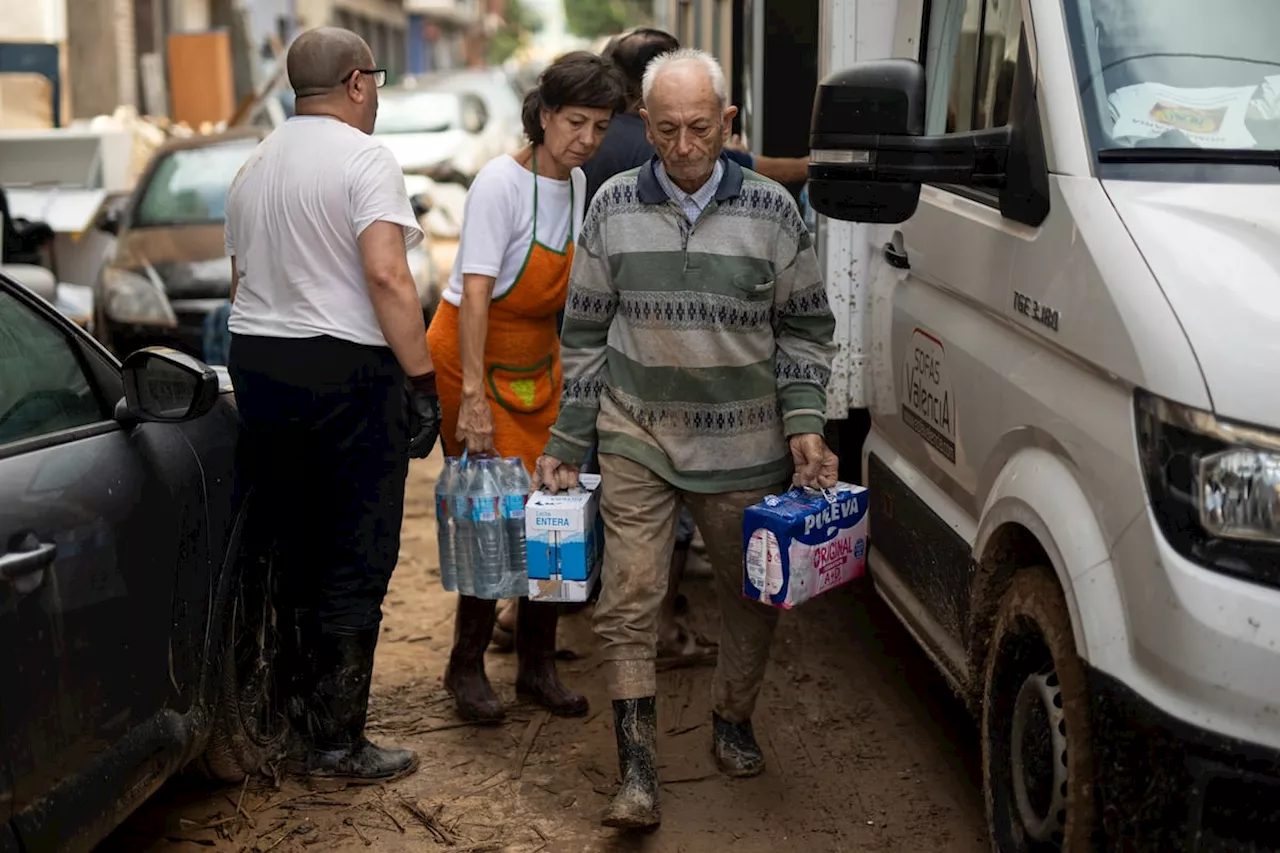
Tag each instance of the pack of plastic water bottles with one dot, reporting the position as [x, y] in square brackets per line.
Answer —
[480, 526]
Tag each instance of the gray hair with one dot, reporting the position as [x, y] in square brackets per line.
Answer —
[708, 63]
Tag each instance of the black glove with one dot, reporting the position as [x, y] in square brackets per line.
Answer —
[424, 415]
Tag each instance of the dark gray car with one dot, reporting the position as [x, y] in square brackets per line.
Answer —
[130, 615]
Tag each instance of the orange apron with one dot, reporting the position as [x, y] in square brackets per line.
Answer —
[521, 354]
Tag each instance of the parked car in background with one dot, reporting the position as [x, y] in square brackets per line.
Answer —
[445, 136]
[170, 272]
[503, 101]
[169, 280]
[136, 629]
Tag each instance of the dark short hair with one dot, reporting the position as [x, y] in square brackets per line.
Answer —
[577, 79]
[632, 52]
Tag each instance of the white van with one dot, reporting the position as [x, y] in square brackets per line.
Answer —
[1073, 363]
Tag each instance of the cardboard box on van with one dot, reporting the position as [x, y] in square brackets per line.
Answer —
[803, 543]
[564, 536]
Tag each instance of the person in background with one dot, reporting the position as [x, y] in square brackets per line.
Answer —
[697, 348]
[325, 327]
[496, 345]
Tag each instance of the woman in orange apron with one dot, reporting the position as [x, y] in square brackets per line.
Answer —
[496, 348]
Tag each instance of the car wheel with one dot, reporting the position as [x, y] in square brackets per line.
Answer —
[1037, 751]
[249, 724]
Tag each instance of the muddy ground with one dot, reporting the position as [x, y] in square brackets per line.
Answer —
[867, 749]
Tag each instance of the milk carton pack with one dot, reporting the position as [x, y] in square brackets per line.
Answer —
[802, 543]
[564, 541]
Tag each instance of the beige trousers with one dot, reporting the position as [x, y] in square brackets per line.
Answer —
[640, 512]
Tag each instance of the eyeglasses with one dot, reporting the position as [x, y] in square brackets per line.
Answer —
[378, 75]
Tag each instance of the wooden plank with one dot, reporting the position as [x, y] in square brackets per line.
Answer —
[201, 84]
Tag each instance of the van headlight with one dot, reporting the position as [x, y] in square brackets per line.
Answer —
[136, 299]
[1214, 487]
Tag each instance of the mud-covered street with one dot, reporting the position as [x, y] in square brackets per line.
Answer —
[867, 748]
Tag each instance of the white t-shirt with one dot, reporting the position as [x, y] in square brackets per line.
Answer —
[294, 214]
[497, 222]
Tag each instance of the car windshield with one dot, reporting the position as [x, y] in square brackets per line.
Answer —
[1176, 74]
[417, 112]
[190, 185]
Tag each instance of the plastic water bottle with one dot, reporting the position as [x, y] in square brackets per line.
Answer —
[489, 546]
[463, 529]
[446, 532]
[516, 485]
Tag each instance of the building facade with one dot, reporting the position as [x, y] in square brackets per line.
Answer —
[705, 24]
[450, 34]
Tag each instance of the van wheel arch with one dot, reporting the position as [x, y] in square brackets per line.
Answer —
[1010, 549]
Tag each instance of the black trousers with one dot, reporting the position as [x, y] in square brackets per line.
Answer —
[324, 447]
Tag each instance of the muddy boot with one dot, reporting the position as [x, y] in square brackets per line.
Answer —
[536, 661]
[734, 744]
[635, 724]
[338, 749]
[465, 679]
[296, 630]
[295, 679]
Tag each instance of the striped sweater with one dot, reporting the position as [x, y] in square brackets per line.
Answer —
[694, 350]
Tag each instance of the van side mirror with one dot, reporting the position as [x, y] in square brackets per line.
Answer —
[869, 152]
[163, 385]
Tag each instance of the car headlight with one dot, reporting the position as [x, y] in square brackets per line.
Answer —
[1214, 487]
[132, 298]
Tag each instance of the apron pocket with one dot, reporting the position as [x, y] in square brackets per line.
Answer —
[523, 389]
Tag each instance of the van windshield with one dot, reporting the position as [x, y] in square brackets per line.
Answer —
[1177, 74]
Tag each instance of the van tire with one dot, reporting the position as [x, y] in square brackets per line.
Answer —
[1034, 690]
[249, 729]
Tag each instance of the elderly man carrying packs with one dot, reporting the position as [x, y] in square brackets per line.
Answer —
[697, 346]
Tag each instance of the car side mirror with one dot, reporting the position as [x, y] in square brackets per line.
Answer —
[111, 222]
[869, 152]
[474, 115]
[162, 385]
[421, 203]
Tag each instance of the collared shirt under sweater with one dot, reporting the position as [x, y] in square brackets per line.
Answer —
[695, 350]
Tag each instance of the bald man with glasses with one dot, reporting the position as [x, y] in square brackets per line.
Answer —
[335, 389]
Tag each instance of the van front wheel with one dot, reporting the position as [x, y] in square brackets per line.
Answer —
[1037, 752]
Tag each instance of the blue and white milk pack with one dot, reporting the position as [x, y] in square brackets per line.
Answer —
[802, 543]
[564, 536]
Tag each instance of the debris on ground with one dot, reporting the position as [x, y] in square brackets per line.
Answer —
[867, 748]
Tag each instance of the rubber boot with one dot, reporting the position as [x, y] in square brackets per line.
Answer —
[635, 724]
[343, 661]
[735, 748]
[536, 677]
[465, 679]
[296, 629]
[294, 670]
